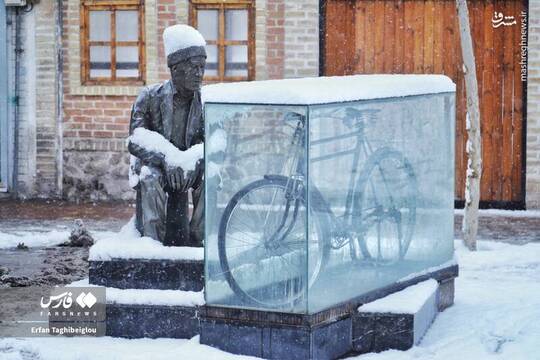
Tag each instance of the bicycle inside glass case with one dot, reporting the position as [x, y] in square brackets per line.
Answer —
[321, 190]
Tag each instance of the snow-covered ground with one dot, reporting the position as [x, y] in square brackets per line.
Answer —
[504, 213]
[109, 349]
[128, 244]
[496, 316]
[496, 312]
[41, 238]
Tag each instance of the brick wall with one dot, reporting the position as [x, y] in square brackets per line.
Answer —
[301, 38]
[275, 38]
[95, 159]
[533, 109]
[96, 118]
[261, 54]
[37, 148]
[166, 16]
[48, 160]
[95, 124]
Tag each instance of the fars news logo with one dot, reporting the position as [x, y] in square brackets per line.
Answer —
[68, 303]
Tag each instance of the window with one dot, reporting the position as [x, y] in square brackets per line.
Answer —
[229, 30]
[112, 42]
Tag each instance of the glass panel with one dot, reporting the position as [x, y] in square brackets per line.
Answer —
[211, 68]
[100, 25]
[127, 25]
[251, 260]
[379, 205]
[390, 190]
[236, 60]
[100, 61]
[127, 61]
[207, 23]
[236, 24]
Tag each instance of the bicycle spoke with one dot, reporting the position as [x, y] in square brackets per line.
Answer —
[247, 233]
[256, 211]
[266, 272]
[378, 240]
[387, 207]
[242, 240]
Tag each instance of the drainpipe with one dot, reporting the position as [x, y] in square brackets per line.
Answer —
[59, 98]
[18, 51]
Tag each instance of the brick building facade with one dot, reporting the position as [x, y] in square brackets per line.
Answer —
[34, 168]
[71, 135]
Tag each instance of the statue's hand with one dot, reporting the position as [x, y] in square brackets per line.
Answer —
[192, 178]
[175, 177]
[180, 180]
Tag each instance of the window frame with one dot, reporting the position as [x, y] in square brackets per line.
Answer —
[221, 43]
[113, 6]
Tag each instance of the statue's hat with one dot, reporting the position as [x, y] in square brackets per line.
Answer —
[182, 42]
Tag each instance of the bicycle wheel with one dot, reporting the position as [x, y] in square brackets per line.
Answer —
[385, 207]
[260, 271]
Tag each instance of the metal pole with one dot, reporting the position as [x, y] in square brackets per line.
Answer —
[18, 51]
[59, 98]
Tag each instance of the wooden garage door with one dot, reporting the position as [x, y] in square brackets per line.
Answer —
[422, 36]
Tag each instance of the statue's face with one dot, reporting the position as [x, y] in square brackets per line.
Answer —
[188, 74]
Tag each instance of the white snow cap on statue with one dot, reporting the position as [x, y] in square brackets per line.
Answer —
[179, 37]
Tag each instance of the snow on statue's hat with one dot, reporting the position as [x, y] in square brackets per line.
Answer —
[182, 42]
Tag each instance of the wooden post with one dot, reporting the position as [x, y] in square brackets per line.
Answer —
[474, 137]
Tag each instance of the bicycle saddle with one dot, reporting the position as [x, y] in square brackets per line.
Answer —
[355, 117]
[294, 116]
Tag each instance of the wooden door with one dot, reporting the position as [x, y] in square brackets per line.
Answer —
[422, 36]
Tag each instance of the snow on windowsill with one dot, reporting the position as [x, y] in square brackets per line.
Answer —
[407, 301]
[128, 244]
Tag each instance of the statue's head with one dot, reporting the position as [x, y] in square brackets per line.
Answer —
[186, 57]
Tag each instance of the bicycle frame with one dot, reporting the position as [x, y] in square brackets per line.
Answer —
[296, 179]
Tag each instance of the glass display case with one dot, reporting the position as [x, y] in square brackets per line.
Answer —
[321, 190]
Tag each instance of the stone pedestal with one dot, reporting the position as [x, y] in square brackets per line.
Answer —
[163, 279]
[152, 321]
[184, 275]
[398, 321]
[328, 334]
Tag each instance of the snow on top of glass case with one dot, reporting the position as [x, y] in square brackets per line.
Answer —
[324, 90]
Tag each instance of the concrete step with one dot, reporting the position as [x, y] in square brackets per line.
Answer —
[186, 275]
[152, 321]
[135, 313]
[397, 321]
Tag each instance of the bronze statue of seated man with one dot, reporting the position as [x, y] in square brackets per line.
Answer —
[172, 112]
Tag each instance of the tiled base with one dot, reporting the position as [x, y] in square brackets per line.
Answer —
[327, 341]
[329, 334]
[184, 275]
[376, 331]
[151, 321]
